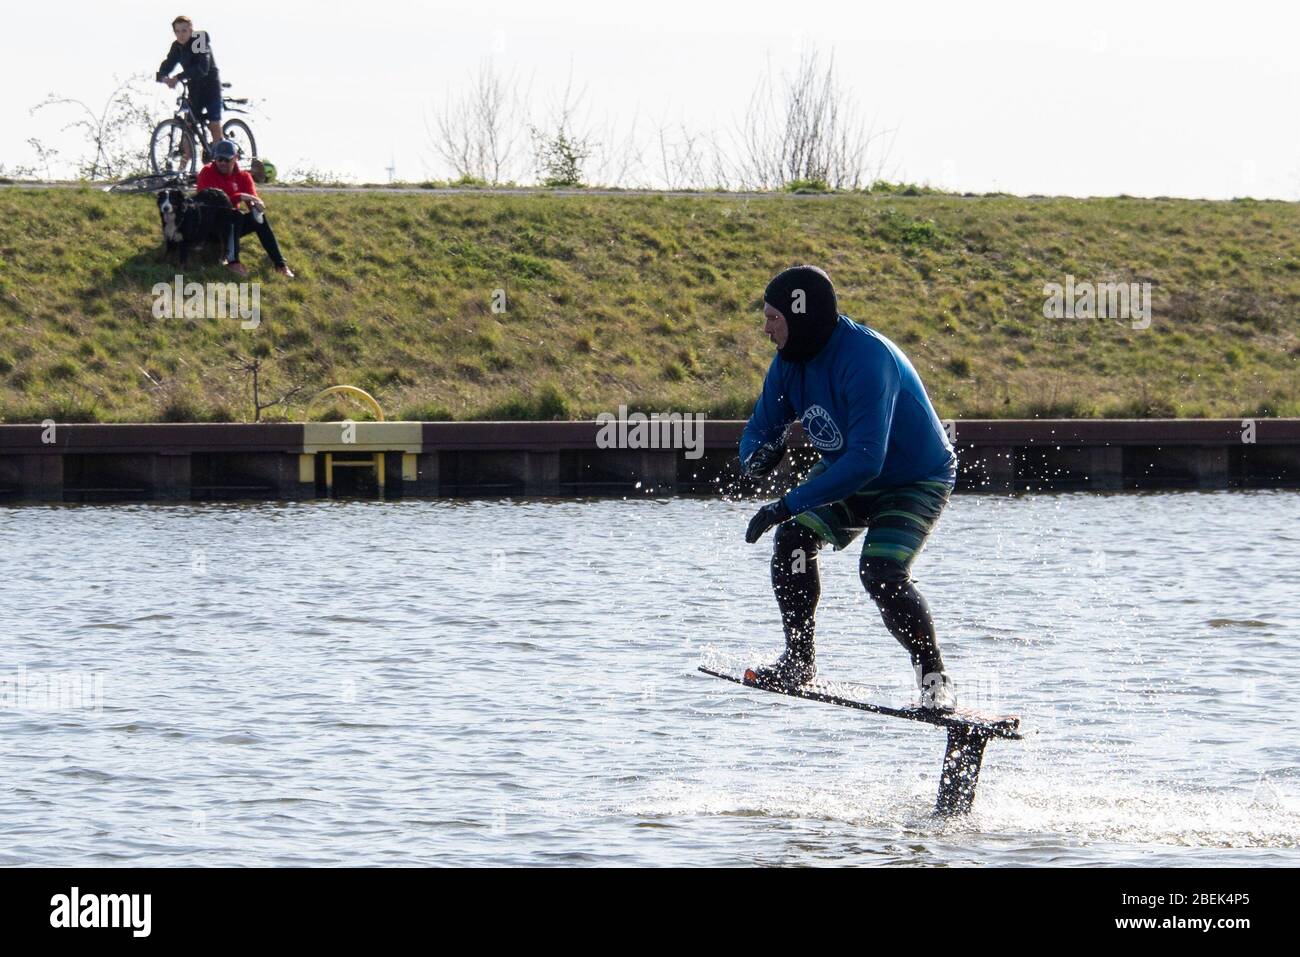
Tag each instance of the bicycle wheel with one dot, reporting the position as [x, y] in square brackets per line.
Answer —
[237, 132]
[172, 149]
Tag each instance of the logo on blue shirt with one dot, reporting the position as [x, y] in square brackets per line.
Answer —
[821, 429]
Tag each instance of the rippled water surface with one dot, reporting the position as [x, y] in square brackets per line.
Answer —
[513, 682]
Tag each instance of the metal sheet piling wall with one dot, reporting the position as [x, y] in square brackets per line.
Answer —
[91, 462]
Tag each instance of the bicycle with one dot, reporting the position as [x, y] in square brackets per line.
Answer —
[172, 146]
[150, 183]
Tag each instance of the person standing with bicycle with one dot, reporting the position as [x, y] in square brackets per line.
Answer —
[223, 173]
[192, 50]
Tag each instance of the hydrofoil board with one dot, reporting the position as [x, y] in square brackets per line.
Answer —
[848, 695]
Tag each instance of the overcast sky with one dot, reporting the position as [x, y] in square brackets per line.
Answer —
[1180, 99]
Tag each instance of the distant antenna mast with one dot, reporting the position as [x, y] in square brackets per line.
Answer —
[392, 167]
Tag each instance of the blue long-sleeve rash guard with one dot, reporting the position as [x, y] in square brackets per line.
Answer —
[862, 406]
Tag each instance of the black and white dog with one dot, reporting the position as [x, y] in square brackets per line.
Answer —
[190, 221]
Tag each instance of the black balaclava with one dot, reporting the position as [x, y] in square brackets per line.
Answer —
[805, 296]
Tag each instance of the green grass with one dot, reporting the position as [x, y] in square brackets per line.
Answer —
[647, 301]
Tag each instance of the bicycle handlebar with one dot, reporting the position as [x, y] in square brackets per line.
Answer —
[185, 93]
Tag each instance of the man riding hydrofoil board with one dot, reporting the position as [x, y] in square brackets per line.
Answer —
[887, 468]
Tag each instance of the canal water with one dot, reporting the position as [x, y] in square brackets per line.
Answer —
[513, 682]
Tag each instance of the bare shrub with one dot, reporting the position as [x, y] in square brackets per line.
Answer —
[806, 127]
[689, 159]
[479, 130]
[116, 136]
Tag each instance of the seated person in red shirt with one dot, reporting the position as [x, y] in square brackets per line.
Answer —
[224, 174]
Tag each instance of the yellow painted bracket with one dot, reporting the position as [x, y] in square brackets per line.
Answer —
[366, 441]
[375, 461]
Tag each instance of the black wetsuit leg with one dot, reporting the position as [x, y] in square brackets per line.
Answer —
[796, 582]
[904, 610]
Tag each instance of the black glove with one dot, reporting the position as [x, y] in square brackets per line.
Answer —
[772, 514]
[763, 459]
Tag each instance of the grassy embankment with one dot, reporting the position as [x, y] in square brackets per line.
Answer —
[647, 301]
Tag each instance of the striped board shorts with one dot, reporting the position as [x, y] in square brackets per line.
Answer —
[897, 520]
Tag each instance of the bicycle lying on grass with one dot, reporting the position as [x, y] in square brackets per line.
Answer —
[150, 183]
